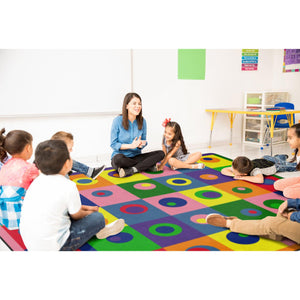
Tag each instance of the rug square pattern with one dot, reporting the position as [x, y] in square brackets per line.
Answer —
[146, 188]
[165, 172]
[212, 160]
[196, 219]
[112, 176]
[127, 240]
[208, 176]
[244, 242]
[180, 182]
[240, 188]
[243, 210]
[108, 195]
[269, 201]
[174, 203]
[167, 231]
[166, 210]
[134, 212]
[204, 243]
[83, 182]
[210, 195]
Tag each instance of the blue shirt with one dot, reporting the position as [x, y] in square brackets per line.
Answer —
[119, 135]
[294, 203]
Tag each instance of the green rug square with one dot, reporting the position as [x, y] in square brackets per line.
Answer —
[243, 210]
[146, 188]
[127, 240]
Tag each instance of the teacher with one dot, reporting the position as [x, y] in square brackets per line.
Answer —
[128, 138]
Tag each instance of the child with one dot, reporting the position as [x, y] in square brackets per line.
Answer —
[175, 151]
[293, 138]
[15, 175]
[77, 166]
[285, 224]
[245, 169]
[52, 215]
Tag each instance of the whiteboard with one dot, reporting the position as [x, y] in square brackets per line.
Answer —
[63, 81]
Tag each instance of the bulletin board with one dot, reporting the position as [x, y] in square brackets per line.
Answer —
[291, 60]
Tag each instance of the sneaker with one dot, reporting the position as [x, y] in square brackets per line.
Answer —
[97, 172]
[152, 169]
[111, 229]
[125, 172]
[217, 220]
[201, 166]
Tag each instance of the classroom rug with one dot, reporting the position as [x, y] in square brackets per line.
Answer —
[166, 210]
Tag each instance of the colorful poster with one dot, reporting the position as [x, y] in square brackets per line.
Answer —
[249, 59]
[291, 60]
[191, 63]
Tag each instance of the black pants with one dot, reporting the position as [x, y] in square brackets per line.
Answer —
[141, 162]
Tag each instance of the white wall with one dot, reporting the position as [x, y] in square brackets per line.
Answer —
[185, 101]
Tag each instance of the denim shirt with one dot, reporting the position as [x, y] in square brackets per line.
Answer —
[119, 135]
[294, 203]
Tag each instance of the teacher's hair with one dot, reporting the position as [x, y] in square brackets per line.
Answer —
[139, 118]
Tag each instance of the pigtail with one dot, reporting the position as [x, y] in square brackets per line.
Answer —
[295, 159]
[3, 153]
[297, 131]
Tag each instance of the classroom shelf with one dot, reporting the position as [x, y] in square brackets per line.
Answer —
[255, 129]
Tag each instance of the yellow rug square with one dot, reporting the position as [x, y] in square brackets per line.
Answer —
[210, 196]
[112, 176]
[244, 242]
[215, 161]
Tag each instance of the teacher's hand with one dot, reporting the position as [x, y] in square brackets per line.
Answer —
[142, 144]
[136, 143]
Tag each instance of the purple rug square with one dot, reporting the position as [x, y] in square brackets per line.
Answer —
[174, 203]
[209, 176]
[167, 231]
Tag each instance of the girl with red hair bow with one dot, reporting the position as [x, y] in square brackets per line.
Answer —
[176, 154]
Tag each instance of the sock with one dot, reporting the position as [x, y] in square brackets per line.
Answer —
[89, 172]
[135, 170]
[228, 223]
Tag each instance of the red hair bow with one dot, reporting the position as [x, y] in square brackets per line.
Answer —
[166, 121]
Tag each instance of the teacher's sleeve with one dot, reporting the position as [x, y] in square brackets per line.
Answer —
[114, 135]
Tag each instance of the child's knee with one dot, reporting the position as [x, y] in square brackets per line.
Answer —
[198, 155]
[291, 192]
[98, 220]
[171, 161]
[278, 185]
[281, 184]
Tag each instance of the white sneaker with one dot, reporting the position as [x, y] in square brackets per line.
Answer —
[111, 229]
[201, 166]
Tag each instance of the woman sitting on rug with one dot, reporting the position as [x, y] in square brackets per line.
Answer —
[128, 138]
